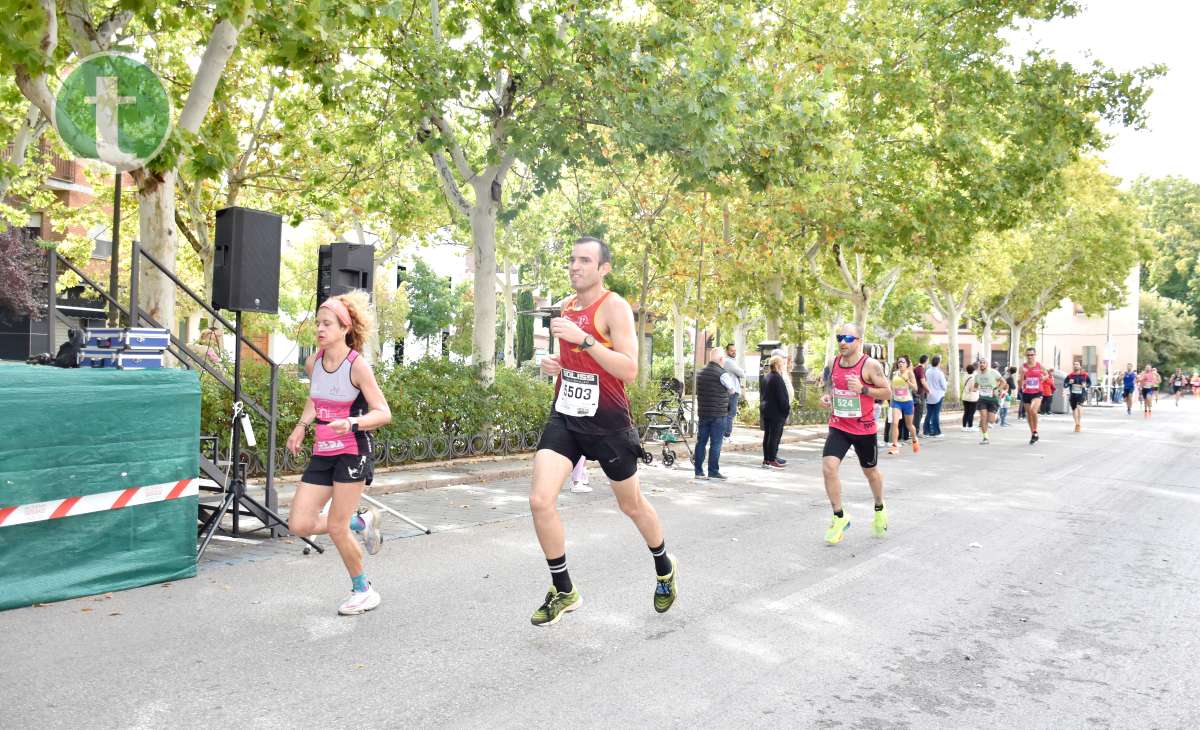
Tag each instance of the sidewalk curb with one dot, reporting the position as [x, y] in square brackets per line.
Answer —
[286, 485]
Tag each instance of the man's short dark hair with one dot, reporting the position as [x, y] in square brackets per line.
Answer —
[728, 345]
[937, 360]
[923, 359]
[605, 251]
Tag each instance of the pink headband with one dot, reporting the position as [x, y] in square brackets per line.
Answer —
[336, 306]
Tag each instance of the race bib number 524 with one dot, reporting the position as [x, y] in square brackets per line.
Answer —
[579, 394]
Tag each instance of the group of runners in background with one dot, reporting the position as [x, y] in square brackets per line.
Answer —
[1147, 384]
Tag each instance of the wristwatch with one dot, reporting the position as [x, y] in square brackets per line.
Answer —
[587, 342]
[866, 389]
[353, 425]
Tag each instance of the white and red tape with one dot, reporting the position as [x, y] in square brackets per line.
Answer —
[71, 506]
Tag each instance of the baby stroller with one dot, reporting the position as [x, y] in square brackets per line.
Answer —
[668, 423]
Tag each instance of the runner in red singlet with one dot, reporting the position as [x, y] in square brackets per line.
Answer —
[856, 382]
[1029, 379]
[598, 355]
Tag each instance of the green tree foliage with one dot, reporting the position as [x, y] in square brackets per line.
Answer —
[1172, 215]
[524, 327]
[1167, 340]
[431, 301]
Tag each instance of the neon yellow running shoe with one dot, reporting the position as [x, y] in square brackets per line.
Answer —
[880, 526]
[555, 605]
[837, 529]
[664, 589]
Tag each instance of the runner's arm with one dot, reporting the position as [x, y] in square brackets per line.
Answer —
[620, 360]
[378, 413]
[877, 384]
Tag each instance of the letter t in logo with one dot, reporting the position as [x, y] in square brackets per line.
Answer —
[107, 111]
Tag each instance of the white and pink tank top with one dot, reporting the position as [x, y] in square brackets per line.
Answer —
[334, 397]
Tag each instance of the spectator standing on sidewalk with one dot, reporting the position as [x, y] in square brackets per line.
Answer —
[787, 383]
[920, 394]
[1047, 395]
[731, 366]
[970, 399]
[937, 394]
[776, 407]
[713, 387]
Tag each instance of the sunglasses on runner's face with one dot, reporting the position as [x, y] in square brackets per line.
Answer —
[846, 338]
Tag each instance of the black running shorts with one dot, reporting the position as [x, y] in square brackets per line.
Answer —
[1077, 400]
[989, 404]
[1146, 393]
[343, 469]
[617, 452]
[1028, 398]
[866, 446]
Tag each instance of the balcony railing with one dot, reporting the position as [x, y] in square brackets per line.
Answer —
[64, 169]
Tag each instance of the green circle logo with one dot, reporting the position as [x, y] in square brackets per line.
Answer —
[113, 108]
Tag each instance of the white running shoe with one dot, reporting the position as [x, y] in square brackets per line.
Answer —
[360, 602]
[580, 488]
[372, 535]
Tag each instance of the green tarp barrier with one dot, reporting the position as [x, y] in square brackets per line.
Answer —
[71, 433]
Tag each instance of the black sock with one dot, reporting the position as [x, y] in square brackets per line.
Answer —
[662, 565]
[879, 508]
[838, 513]
[559, 574]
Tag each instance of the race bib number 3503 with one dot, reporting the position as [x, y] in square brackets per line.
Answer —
[579, 394]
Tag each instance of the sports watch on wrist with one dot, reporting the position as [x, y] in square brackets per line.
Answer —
[353, 425]
[587, 342]
[866, 389]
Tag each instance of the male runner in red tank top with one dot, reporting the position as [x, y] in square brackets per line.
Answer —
[598, 356]
[1030, 380]
[856, 382]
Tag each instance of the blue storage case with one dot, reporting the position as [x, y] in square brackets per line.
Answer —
[147, 338]
[98, 357]
[129, 338]
[132, 360]
[105, 337]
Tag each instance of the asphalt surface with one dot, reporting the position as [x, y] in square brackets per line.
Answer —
[1020, 586]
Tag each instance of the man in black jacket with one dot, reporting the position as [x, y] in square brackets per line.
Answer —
[713, 387]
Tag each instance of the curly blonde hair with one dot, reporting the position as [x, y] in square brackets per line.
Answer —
[362, 317]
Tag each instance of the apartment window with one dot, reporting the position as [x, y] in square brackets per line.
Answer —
[1089, 359]
[102, 249]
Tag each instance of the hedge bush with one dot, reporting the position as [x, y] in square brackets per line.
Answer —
[428, 398]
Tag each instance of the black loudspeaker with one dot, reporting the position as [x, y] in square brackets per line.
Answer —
[246, 260]
[343, 267]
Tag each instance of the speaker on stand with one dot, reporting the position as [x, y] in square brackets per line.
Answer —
[343, 267]
[245, 279]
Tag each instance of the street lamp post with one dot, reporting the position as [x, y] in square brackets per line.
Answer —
[799, 372]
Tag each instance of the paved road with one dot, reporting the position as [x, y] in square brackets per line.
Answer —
[1023, 587]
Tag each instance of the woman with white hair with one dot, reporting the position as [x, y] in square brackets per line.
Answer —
[776, 406]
